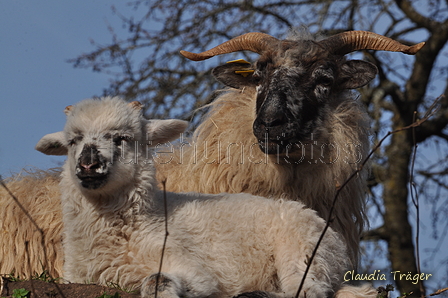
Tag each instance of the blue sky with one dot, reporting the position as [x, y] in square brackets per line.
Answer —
[36, 82]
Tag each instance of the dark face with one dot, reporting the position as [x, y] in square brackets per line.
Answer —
[295, 82]
[292, 95]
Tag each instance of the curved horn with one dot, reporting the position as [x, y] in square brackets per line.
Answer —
[347, 42]
[253, 41]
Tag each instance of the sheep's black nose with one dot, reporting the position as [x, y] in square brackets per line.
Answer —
[271, 122]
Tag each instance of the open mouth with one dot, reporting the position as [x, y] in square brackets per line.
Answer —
[92, 180]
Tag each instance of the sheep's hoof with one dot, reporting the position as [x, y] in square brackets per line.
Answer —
[163, 285]
[254, 294]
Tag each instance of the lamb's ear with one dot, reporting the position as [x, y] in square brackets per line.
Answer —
[52, 144]
[163, 131]
[356, 73]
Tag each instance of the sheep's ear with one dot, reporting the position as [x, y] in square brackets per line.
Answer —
[356, 73]
[163, 131]
[68, 109]
[52, 144]
[234, 74]
[136, 105]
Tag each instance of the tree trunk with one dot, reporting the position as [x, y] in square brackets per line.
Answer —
[396, 222]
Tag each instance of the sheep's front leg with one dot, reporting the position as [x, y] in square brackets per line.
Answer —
[165, 286]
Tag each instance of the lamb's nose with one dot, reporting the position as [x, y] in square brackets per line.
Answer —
[89, 159]
[90, 166]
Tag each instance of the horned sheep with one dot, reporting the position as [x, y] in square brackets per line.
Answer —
[294, 104]
[293, 99]
[221, 245]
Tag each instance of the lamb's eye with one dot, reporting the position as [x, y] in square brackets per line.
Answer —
[118, 140]
[74, 140]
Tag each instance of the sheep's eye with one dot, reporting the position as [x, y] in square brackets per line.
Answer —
[118, 140]
[324, 81]
[75, 140]
[256, 76]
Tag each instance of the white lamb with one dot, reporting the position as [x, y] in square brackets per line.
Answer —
[218, 245]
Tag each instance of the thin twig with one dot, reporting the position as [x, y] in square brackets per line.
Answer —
[438, 292]
[164, 240]
[431, 111]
